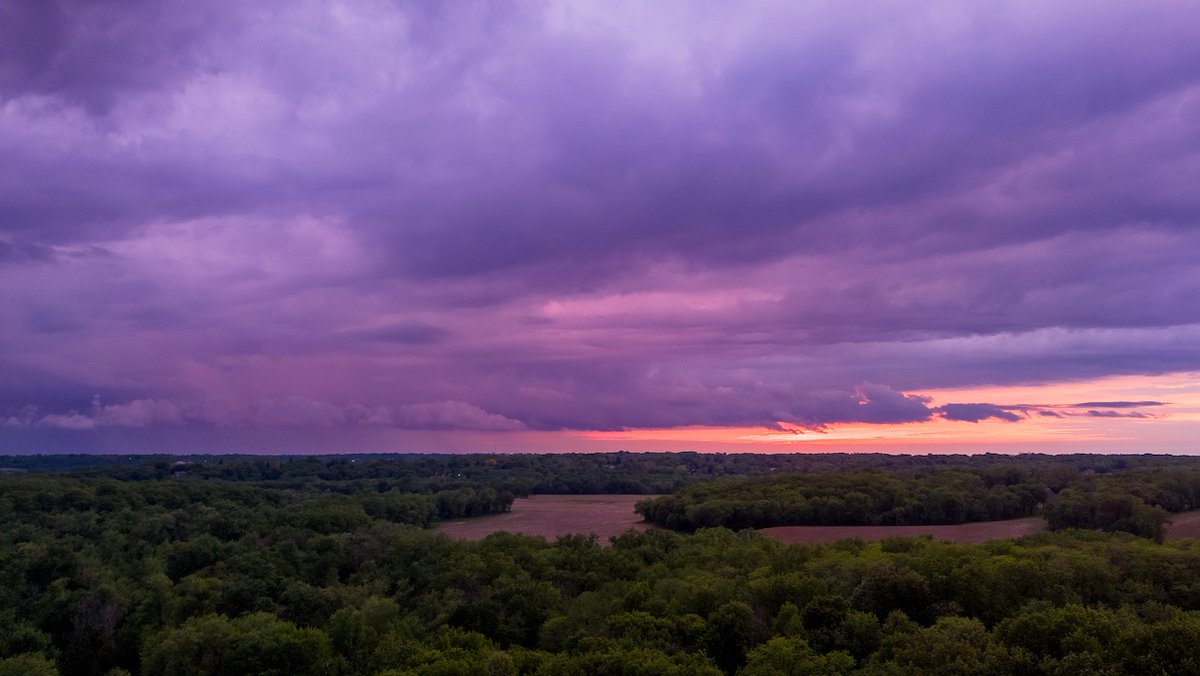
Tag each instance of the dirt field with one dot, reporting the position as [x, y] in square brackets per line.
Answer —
[965, 532]
[607, 515]
[1184, 525]
[553, 515]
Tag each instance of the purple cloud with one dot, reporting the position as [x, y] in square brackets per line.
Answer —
[1116, 414]
[1118, 404]
[976, 412]
[453, 415]
[586, 217]
[18, 251]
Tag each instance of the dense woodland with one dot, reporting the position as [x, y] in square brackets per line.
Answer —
[561, 473]
[1135, 497]
[323, 566]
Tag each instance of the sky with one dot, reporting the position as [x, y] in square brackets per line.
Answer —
[581, 226]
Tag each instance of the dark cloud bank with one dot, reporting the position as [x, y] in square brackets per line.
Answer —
[494, 217]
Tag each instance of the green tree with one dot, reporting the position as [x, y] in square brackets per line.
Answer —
[27, 664]
[730, 634]
[259, 644]
[792, 656]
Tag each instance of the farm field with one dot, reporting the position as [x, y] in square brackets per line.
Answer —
[607, 515]
[553, 515]
[980, 531]
[1184, 525]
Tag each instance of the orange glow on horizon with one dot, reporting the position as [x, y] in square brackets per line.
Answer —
[1173, 427]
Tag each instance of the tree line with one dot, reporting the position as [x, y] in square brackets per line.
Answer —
[1137, 498]
[558, 473]
[853, 497]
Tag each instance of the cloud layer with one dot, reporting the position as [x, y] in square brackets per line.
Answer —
[484, 216]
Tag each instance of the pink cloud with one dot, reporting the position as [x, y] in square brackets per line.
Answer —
[453, 415]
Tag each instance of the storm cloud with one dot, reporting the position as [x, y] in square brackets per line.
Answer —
[976, 412]
[589, 216]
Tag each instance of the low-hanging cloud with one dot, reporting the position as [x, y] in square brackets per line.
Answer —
[976, 412]
[293, 411]
[1116, 414]
[453, 415]
[1118, 404]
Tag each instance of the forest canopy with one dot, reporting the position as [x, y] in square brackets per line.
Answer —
[1137, 499]
[324, 566]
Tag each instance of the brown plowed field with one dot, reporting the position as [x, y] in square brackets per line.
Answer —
[963, 532]
[1184, 525]
[607, 515]
[553, 515]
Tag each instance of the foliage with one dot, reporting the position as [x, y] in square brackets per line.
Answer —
[103, 573]
[1136, 497]
[847, 497]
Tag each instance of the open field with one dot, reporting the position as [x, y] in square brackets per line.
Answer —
[963, 532]
[1184, 525]
[553, 515]
[607, 515]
